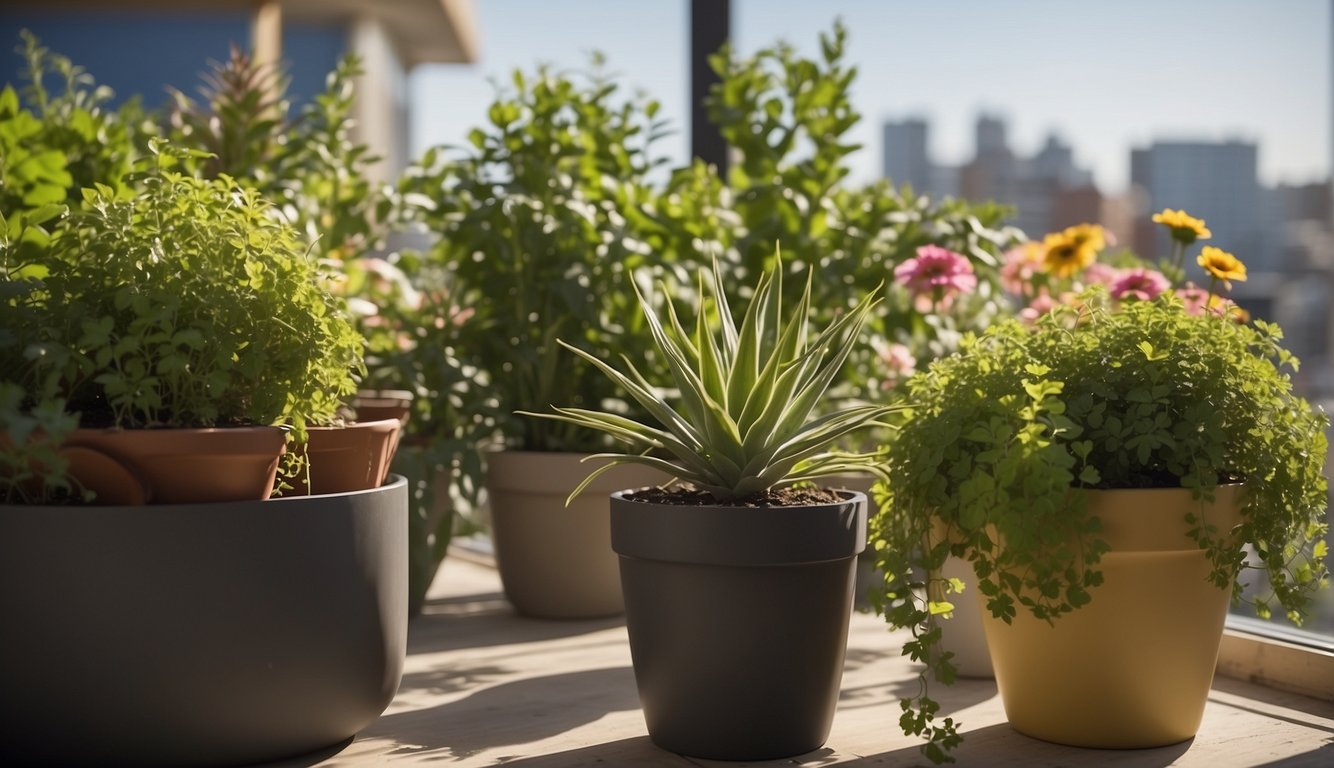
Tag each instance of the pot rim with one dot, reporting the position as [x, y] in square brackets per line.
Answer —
[739, 536]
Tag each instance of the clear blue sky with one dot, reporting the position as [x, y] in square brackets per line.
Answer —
[1104, 75]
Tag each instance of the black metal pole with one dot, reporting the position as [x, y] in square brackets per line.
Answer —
[710, 27]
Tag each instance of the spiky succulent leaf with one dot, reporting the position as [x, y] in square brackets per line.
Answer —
[747, 397]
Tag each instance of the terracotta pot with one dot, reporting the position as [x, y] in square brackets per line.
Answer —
[555, 561]
[110, 481]
[179, 466]
[738, 621]
[1132, 668]
[354, 457]
[199, 634]
[379, 404]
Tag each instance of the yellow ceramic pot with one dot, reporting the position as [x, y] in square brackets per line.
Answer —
[1132, 668]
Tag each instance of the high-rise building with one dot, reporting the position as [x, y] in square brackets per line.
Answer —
[1047, 191]
[172, 42]
[906, 158]
[990, 137]
[1215, 181]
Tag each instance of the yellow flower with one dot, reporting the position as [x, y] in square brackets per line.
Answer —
[1090, 235]
[1185, 228]
[1222, 265]
[1068, 253]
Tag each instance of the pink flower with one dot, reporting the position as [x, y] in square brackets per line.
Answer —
[937, 274]
[1140, 283]
[1020, 265]
[1102, 274]
[899, 364]
[1039, 306]
[1194, 297]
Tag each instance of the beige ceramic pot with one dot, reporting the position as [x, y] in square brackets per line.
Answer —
[1132, 668]
[962, 634]
[555, 561]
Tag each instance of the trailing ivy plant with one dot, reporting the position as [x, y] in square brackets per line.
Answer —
[186, 303]
[1003, 438]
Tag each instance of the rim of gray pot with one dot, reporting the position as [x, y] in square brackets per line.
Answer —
[732, 535]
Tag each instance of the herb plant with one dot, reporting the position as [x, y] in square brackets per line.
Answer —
[186, 304]
[1002, 439]
[747, 394]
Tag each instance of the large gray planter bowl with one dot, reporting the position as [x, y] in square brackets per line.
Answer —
[738, 621]
[199, 634]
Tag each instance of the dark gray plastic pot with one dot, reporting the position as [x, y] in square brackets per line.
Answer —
[199, 634]
[738, 621]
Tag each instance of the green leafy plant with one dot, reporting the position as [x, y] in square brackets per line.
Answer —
[55, 142]
[534, 241]
[1002, 439]
[185, 304]
[307, 164]
[786, 118]
[32, 470]
[748, 394]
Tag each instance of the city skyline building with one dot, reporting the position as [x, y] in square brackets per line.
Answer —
[905, 156]
[1216, 181]
[174, 43]
[1047, 191]
[1284, 234]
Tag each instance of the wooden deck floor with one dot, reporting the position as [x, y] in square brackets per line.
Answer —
[484, 687]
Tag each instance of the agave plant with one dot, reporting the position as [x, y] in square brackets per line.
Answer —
[748, 396]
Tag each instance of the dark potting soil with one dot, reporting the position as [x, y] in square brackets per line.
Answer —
[774, 497]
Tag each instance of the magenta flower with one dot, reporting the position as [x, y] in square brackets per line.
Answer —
[1141, 284]
[937, 274]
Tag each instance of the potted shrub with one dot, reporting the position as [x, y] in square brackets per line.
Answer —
[1103, 468]
[535, 243]
[183, 307]
[739, 550]
[159, 312]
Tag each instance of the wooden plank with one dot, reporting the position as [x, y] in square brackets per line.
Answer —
[484, 687]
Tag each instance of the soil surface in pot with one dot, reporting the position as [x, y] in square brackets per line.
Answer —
[774, 497]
